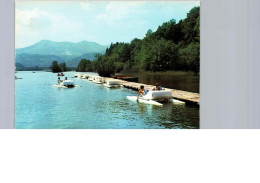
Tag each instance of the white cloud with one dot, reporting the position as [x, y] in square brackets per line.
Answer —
[85, 5]
[34, 24]
[116, 11]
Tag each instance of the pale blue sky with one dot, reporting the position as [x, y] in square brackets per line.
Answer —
[102, 22]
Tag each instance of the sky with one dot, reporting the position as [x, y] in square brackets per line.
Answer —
[103, 22]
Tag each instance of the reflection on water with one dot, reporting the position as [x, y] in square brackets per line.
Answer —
[170, 116]
[186, 81]
[91, 106]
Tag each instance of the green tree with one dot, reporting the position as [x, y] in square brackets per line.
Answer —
[149, 32]
[189, 23]
[63, 67]
[104, 66]
[164, 56]
[84, 65]
[55, 67]
[190, 57]
[89, 66]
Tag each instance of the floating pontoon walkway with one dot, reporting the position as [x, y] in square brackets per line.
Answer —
[188, 97]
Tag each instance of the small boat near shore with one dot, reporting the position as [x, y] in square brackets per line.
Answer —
[78, 76]
[85, 76]
[66, 84]
[97, 80]
[112, 84]
[91, 78]
[155, 98]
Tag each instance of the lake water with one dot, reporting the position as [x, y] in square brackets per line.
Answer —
[40, 105]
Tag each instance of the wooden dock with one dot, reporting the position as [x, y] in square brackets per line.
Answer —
[188, 97]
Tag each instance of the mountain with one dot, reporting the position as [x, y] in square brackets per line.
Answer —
[44, 52]
[46, 47]
[32, 60]
[74, 62]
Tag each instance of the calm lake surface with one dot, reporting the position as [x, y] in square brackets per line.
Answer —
[186, 81]
[40, 105]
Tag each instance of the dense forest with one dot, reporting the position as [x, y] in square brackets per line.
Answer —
[172, 47]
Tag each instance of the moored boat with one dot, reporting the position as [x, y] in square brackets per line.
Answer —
[156, 97]
[91, 78]
[112, 84]
[76, 76]
[84, 76]
[97, 80]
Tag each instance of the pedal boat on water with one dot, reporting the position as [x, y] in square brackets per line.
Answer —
[155, 98]
[66, 84]
[84, 76]
[97, 80]
[91, 78]
[112, 84]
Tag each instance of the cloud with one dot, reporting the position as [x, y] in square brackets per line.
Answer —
[85, 5]
[35, 23]
[31, 19]
[116, 11]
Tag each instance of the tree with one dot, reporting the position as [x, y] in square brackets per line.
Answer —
[55, 67]
[189, 23]
[104, 66]
[63, 67]
[165, 56]
[84, 65]
[89, 66]
[149, 32]
[190, 57]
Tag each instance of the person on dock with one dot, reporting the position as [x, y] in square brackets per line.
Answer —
[59, 81]
[141, 92]
[157, 87]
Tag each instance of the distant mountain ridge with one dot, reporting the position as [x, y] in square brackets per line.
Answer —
[32, 60]
[44, 52]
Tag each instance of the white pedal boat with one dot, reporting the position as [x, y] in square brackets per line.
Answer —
[97, 80]
[91, 78]
[85, 76]
[78, 76]
[66, 84]
[112, 84]
[155, 97]
[145, 101]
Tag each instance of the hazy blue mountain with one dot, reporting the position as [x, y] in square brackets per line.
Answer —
[75, 61]
[46, 47]
[31, 60]
[44, 52]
